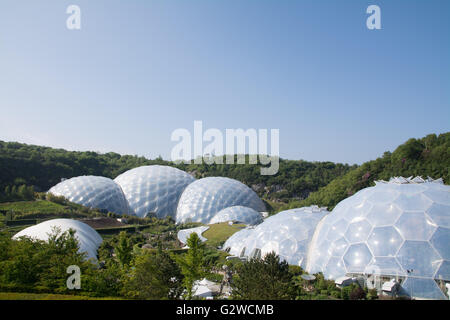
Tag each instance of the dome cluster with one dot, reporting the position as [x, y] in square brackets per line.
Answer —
[89, 240]
[164, 191]
[204, 198]
[399, 229]
[396, 228]
[287, 233]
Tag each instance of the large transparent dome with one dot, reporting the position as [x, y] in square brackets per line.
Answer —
[94, 192]
[89, 240]
[205, 197]
[154, 189]
[242, 214]
[397, 228]
[288, 233]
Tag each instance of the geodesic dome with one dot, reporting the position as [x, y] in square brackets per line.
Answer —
[287, 233]
[89, 240]
[203, 198]
[154, 189]
[93, 192]
[242, 214]
[396, 228]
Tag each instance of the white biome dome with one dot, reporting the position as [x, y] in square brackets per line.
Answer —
[287, 233]
[89, 240]
[396, 228]
[93, 192]
[241, 214]
[154, 189]
[203, 198]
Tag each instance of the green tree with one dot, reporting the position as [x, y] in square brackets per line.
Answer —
[124, 249]
[193, 265]
[266, 279]
[155, 276]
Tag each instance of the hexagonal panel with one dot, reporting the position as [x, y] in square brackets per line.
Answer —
[337, 230]
[438, 196]
[338, 247]
[423, 288]
[384, 266]
[384, 241]
[357, 257]
[322, 254]
[443, 272]
[384, 214]
[334, 268]
[417, 202]
[441, 242]
[357, 211]
[419, 257]
[415, 226]
[440, 214]
[358, 231]
[383, 196]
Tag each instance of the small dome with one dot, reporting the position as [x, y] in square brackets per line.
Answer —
[89, 240]
[154, 189]
[287, 233]
[241, 214]
[205, 197]
[93, 192]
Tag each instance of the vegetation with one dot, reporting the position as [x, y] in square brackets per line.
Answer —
[43, 167]
[155, 276]
[429, 156]
[193, 264]
[48, 296]
[263, 279]
[143, 259]
[218, 233]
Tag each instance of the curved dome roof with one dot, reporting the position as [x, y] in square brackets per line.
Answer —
[154, 189]
[89, 240]
[242, 214]
[94, 192]
[203, 198]
[287, 233]
[389, 229]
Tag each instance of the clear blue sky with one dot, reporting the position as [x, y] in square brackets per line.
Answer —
[137, 70]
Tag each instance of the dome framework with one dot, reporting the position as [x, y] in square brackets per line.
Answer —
[93, 192]
[154, 189]
[399, 228]
[203, 198]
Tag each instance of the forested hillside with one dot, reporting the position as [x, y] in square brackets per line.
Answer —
[43, 167]
[429, 156]
[297, 182]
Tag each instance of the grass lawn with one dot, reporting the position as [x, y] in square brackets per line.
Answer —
[27, 207]
[219, 232]
[46, 296]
